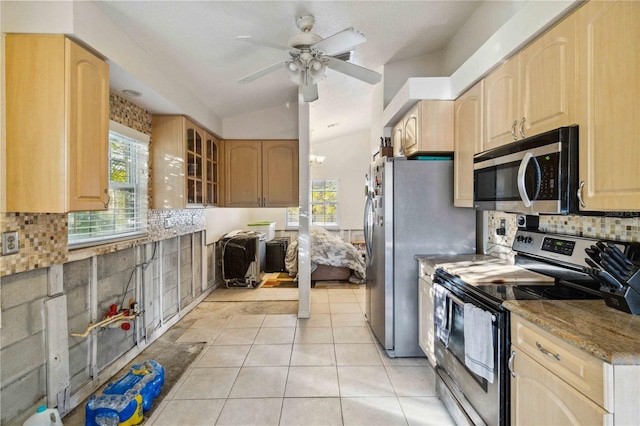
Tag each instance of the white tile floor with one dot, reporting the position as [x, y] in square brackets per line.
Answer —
[278, 369]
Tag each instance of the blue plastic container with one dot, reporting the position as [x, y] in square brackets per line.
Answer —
[123, 401]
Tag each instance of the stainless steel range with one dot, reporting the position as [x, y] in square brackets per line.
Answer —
[471, 355]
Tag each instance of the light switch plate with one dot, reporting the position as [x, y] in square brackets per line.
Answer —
[10, 243]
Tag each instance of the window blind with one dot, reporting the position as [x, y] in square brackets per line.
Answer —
[127, 213]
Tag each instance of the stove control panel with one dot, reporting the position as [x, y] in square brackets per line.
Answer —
[557, 245]
[567, 249]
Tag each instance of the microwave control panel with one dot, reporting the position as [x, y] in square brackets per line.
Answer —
[548, 176]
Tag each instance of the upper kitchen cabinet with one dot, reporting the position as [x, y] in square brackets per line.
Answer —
[426, 128]
[533, 92]
[397, 137]
[57, 126]
[501, 105]
[181, 160]
[467, 141]
[213, 148]
[609, 114]
[261, 173]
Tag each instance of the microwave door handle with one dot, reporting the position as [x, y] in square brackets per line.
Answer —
[522, 190]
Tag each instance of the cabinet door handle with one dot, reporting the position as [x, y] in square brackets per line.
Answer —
[513, 130]
[521, 127]
[579, 194]
[510, 364]
[546, 352]
[106, 203]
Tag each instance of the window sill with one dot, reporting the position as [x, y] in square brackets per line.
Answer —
[81, 253]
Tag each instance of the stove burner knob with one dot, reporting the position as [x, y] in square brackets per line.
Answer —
[528, 240]
[519, 238]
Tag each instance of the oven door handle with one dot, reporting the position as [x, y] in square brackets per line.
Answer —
[455, 299]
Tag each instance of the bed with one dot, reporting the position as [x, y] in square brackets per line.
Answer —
[332, 259]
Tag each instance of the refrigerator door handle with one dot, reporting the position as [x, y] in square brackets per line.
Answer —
[366, 223]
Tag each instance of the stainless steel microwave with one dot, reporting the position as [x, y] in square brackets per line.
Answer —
[538, 174]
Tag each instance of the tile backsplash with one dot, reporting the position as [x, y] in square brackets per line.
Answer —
[604, 227]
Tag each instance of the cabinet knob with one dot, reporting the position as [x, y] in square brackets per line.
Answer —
[513, 130]
[106, 203]
[521, 127]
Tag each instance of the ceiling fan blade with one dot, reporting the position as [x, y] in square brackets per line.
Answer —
[264, 43]
[256, 75]
[310, 93]
[354, 71]
[341, 42]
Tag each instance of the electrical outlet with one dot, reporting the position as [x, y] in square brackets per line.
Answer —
[502, 230]
[168, 223]
[10, 244]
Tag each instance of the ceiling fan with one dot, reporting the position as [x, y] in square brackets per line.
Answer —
[311, 55]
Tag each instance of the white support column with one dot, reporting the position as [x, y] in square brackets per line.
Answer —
[304, 246]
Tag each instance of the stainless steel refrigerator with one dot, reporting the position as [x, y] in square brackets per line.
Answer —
[409, 211]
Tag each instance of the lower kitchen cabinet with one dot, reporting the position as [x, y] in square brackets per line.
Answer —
[425, 318]
[539, 397]
[554, 382]
[426, 330]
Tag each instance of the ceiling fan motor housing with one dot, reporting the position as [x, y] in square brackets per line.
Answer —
[303, 41]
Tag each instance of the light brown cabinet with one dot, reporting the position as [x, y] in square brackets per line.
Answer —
[183, 153]
[533, 92]
[426, 329]
[261, 173]
[553, 382]
[426, 129]
[539, 397]
[57, 126]
[467, 140]
[397, 138]
[609, 115]
[214, 150]
[501, 105]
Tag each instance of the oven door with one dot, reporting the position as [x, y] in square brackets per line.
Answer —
[480, 401]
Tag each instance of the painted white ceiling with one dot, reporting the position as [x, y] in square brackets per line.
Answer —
[195, 41]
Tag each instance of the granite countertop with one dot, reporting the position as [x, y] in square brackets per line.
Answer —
[590, 325]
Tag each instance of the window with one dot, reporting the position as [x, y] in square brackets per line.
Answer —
[324, 205]
[127, 213]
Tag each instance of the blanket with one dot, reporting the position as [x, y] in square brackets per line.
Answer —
[328, 249]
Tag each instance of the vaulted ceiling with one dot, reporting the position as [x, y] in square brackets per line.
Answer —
[196, 42]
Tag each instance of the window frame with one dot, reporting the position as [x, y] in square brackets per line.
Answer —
[336, 225]
[140, 188]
